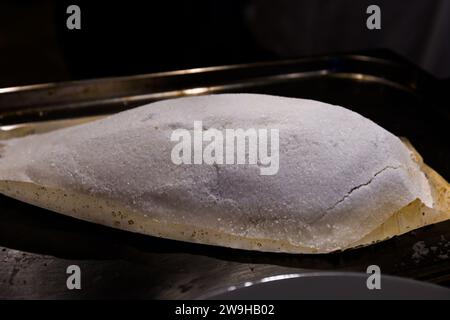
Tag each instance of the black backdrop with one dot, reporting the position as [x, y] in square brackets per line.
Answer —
[131, 37]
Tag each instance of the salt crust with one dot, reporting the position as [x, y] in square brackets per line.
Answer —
[340, 174]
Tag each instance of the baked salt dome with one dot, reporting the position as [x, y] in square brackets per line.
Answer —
[340, 175]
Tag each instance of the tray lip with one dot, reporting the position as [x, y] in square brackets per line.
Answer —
[240, 66]
[53, 100]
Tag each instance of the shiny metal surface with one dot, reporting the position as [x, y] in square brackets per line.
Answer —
[334, 286]
[62, 100]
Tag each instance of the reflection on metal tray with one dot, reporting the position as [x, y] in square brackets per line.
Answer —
[333, 286]
[38, 245]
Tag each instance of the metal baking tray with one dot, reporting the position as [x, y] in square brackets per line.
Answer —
[36, 245]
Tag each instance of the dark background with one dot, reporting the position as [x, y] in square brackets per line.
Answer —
[133, 37]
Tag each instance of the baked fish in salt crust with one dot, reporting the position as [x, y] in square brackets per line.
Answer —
[342, 180]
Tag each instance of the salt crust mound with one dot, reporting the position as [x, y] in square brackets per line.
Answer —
[340, 175]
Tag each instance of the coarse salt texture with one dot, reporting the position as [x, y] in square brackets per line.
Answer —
[340, 175]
